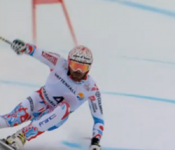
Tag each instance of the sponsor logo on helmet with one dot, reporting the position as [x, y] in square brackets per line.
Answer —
[82, 57]
[80, 96]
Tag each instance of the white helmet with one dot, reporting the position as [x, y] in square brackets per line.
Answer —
[81, 54]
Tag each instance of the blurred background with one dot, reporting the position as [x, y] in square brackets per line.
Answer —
[134, 66]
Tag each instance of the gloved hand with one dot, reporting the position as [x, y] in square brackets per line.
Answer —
[95, 144]
[18, 46]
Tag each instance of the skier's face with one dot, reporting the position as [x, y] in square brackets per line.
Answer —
[77, 75]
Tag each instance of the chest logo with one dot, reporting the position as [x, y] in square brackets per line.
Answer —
[80, 96]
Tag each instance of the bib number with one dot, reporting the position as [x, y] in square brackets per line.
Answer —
[58, 99]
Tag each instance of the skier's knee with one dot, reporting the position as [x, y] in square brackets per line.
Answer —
[62, 111]
[66, 108]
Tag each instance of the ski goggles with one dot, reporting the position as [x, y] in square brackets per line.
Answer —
[79, 66]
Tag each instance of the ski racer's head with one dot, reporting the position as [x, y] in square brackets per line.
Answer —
[79, 60]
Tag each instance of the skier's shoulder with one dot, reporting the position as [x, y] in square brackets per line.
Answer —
[91, 83]
[62, 62]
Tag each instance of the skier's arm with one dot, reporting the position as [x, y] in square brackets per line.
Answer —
[95, 105]
[48, 58]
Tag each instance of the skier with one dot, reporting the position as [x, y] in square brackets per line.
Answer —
[67, 87]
